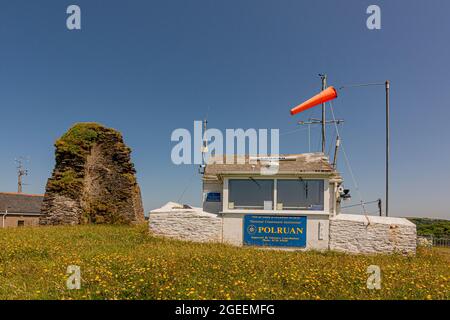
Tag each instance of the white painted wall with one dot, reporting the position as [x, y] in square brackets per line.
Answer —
[185, 224]
[232, 229]
[371, 234]
[313, 225]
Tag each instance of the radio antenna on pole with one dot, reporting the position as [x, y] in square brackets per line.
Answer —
[205, 141]
[318, 121]
[21, 171]
[204, 149]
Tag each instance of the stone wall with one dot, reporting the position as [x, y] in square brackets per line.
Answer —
[187, 224]
[371, 234]
[60, 209]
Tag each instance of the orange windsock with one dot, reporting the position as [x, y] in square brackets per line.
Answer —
[328, 94]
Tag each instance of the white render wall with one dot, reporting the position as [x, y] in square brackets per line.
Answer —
[345, 232]
[185, 224]
[198, 226]
[370, 234]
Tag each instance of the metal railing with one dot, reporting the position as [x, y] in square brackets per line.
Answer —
[441, 242]
[435, 242]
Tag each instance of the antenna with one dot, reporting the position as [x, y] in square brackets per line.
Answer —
[204, 146]
[205, 141]
[21, 171]
[323, 122]
[336, 149]
[317, 121]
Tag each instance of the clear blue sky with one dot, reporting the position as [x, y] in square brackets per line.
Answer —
[149, 67]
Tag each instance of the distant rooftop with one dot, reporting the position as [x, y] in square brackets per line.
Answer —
[288, 164]
[22, 203]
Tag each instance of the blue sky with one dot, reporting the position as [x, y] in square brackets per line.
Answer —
[149, 67]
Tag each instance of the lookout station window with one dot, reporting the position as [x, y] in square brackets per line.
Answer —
[256, 194]
[298, 194]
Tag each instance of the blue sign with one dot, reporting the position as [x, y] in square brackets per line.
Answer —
[275, 231]
[213, 197]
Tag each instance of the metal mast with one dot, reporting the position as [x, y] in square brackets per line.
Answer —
[323, 77]
[21, 171]
[204, 147]
[387, 146]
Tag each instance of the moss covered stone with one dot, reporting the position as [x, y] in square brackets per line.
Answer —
[94, 180]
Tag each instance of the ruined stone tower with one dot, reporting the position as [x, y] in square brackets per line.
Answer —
[93, 180]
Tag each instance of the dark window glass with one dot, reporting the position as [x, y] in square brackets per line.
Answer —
[250, 194]
[300, 194]
[20, 223]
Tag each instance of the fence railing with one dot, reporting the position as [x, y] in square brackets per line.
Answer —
[433, 241]
[441, 242]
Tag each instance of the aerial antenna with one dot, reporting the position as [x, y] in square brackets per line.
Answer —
[317, 121]
[336, 149]
[204, 143]
[21, 172]
[323, 122]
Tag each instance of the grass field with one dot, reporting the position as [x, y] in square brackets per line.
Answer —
[120, 262]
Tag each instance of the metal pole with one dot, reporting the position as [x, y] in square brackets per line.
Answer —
[309, 137]
[19, 183]
[387, 86]
[324, 85]
[387, 147]
[336, 149]
[204, 148]
[205, 142]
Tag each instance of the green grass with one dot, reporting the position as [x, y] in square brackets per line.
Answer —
[120, 262]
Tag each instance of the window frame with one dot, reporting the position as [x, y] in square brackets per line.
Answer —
[326, 196]
[251, 180]
[303, 180]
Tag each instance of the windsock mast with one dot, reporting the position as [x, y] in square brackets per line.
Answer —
[330, 93]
